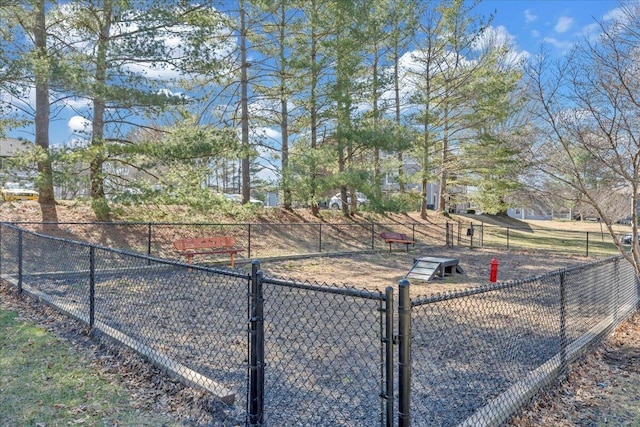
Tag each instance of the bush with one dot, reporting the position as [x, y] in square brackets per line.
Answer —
[397, 202]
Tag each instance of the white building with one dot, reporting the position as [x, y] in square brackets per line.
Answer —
[9, 148]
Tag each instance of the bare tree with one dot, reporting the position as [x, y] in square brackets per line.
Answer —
[589, 129]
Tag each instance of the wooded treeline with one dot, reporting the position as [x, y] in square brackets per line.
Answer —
[389, 98]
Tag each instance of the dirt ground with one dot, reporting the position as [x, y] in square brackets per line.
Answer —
[377, 270]
[602, 389]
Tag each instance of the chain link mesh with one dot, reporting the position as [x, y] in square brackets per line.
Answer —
[323, 355]
[9, 250]
[189, 320]
[476, 356]
[265, 240]
[479, 355]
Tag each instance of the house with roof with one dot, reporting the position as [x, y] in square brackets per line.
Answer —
[536, 209]
[10, 148]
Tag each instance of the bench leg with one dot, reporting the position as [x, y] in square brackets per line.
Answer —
[233, 263]
[407, 247]
[389, 246]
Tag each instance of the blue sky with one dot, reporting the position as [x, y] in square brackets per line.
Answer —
[559, 24]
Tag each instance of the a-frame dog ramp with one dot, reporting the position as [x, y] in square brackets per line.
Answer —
[427, 268]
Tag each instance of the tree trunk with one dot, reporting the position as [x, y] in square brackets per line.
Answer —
[244, 105]
[45, 173]
[284, 125]
[423, 199]
[443, 163]
[313, 114]
[96, 176]
[396, 88]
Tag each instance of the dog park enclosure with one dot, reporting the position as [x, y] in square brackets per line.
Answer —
[327, 351]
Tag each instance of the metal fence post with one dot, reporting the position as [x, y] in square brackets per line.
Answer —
[149, 239]
[92, 287]
[20, 261]
[248, 240]
[587, 243]
[413, 232]
[404, 354]
[389, 361]
[256, 349]
[616, 304]
[320, 239]
[507, 237]
[563, 321]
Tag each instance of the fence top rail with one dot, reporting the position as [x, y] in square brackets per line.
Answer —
[127, 223]
[136, 255]
[330, 289]
[354, 223]
[534, 229]
[510, 284]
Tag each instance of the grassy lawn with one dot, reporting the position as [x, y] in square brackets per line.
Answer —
[45, 382]
[551, 240]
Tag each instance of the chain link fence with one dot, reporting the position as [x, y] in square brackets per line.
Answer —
[258, 240]
[323, 354]
[291, 239]
[480, 354]
[587, 243]
[283, 352]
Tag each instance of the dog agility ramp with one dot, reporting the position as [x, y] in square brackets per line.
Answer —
[428, 268]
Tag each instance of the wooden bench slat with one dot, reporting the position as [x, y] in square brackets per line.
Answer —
[208, 245]
[391, 237]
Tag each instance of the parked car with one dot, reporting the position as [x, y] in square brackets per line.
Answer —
[626, 240]
[237, 198]
[336, 201]
[12, 192]
[625, 221]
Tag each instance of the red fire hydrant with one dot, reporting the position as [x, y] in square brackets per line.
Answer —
[493, 275]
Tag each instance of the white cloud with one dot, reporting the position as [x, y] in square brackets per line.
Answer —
[564, 45]
[564, 24]
[529, 16]
[613, 15]
[268, 136]
[500, 37]
[495, 36]
[273, 134]
[78, 124]
[77, 103]
[171, 94]
[412, 65]
[535, 34]
[592, 31]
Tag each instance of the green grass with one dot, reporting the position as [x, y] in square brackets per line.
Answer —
[45, 382]
[574, 243]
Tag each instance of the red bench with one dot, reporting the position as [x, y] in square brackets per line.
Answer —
[390, 238]
[208, 245]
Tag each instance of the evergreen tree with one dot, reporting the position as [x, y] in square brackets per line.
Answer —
[34, 66]
[116, 54]
[491, 156]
